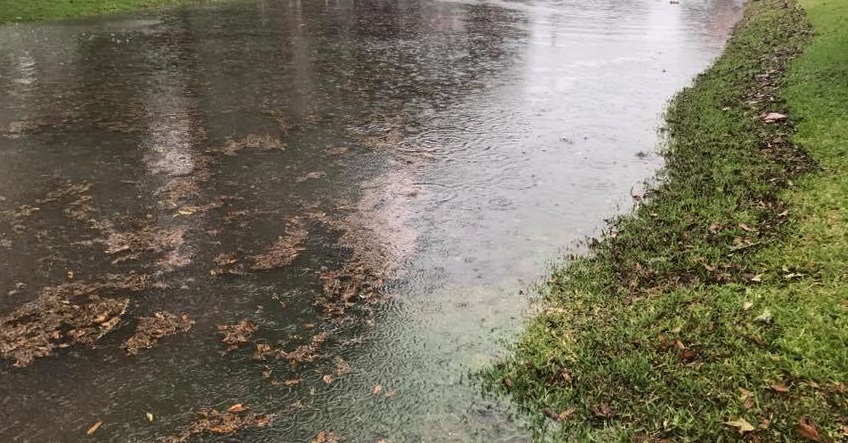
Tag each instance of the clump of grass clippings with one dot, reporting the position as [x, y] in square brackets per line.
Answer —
[718, 310]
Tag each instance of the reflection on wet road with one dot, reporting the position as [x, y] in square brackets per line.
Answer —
[322, 211]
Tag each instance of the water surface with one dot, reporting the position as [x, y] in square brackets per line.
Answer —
[446, 148]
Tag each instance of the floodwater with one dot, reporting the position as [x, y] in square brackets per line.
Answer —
[371, 183]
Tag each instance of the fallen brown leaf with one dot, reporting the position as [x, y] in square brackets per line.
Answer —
[807, 430]
[777, 387]
[603, 410]
[741, 425]
[238, 407]
[562, 416]
[745, 227]
[747, 398]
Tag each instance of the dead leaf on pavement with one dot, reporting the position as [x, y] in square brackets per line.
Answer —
[807, 430]
[93, 428]
[741, 425]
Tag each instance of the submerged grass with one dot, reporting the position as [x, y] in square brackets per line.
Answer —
[32, 10]
[718, 310]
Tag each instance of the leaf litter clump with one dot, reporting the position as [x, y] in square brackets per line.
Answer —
[151, 329]
[214, 422]
[237, 334]
[61, 316]
[285, 250]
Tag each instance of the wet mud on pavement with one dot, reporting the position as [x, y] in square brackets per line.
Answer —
[308, 221]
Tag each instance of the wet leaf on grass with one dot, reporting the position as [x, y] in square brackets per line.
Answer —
[151, 329]
[808, 430]
[741, 425]
[773, 117]
[779, 388]
[765, 317]
[603, 411]
[93, 428]
[747, 398]
[714, 227]
[235, 335]
[211, 421]
[746, 228]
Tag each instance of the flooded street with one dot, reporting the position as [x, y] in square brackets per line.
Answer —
[321, 210]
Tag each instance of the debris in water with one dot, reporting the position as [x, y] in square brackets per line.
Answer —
[325, 437]
[238, 407]
[310, 176]
[237, 334]
[285, 250]
[309, 352]
[151, 329]
[258, 142]
[211, 421]
[61, 316]
[93, 428]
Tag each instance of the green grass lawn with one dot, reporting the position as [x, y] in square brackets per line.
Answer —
[718, 310]
[31, 10]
